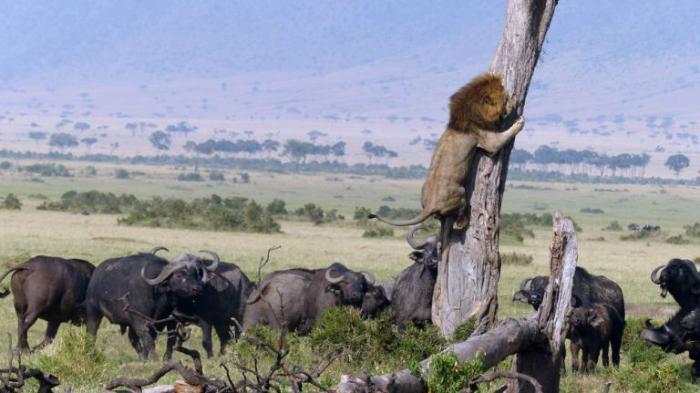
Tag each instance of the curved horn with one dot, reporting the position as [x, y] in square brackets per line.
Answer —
[656, 280]
[331, 279]
[163, 275]
[524, 285]
[411, 238]
[369, 277]
[155, 250]
[212, 266]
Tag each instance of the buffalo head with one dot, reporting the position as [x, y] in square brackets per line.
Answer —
[374, 301]
[185, 276]
[532, 291]
[680, 278]
[425, 252]
[348, 284]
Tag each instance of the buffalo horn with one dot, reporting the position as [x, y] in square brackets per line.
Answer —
[369, 277]
[654, 278]
[333, 280]
[411, 238]
[163, 275]
[155, 250]
[525, 283]
[212, 266]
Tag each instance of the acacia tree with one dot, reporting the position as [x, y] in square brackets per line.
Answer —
[468, 275]
[677, 163]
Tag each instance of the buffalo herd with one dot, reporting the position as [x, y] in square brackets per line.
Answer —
[146, 294]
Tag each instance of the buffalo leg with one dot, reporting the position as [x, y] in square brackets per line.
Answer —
[224, 333]
[93, 321]
[51, 331]
[606, 348]
[574, 357]
[23, 325]
[615, 344]
[206, 338]
[134, 339]
[148, 346]
[593, 354]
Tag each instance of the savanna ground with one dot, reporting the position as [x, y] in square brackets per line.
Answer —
[97, 237]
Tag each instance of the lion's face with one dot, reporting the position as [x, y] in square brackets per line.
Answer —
[492, 107]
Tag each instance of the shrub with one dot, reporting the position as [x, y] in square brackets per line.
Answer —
[49, 170]
[311, 212]
[121, 174]
[5, 165]
[378, 231]
[191, 176]
[592, 210]
[216, 176]
[11, 202]
[463, 331]
[245, 178]
[75, 357]
[640, 235]
[91, 202]
[447, 374]
[90, 171]
[693, 230]
[277, 207]
[361, 215]
[614, 226]
[677, 239]
[514, 258]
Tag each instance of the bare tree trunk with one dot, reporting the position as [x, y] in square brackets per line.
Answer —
[468, 275]
[537, 340]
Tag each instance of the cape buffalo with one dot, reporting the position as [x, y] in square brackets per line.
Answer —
[136, 290]
[412, 294]
[294, 299]
[222, 300]
[374, 302]
[588, 290]
[49, 288]
[592, 329]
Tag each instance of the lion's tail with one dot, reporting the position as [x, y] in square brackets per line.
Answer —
[424, 215]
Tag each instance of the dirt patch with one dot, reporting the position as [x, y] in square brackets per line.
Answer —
[649, 310]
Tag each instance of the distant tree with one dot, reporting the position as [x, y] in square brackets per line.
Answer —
[160, 140]
[520, 158]
[63, 141]
[377, 151]
[89, 141]
[338, 150]
[37, 136]
[113, 147]
[677, 163]
[181, 128]
[81, 126]
[270, 146]
[132, 126]
[315, 134]
[297, 150]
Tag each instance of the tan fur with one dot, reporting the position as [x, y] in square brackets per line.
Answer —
[476, 110]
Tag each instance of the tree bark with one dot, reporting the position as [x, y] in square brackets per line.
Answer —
[468, 275]
[536, 340]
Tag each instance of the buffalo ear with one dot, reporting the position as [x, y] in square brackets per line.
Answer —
[416, 256]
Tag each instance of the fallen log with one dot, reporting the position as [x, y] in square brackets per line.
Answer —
[537, 340]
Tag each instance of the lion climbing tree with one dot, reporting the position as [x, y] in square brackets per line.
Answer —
[468, 275]
[536, 341]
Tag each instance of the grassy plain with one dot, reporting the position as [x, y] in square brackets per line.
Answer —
[96, 237]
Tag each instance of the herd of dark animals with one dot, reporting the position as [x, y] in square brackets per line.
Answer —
[146, 294]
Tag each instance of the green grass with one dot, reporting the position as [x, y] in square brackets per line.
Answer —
[96, 237]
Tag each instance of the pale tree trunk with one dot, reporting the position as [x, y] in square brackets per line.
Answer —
[468, 275]
[537, 340]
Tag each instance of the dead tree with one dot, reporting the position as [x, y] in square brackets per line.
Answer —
[468, 275]
[537, 341]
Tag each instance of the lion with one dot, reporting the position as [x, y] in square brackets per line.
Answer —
[476, 115]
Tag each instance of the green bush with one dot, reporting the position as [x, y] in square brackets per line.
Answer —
[614, 226]
[48, 170]
[518, 259]
[91, 202]
[464, 331]
[375, 230]
[447, 374]
[191, 176]
[315, 214]
[677, 239]
[11, 202]
[216, 176]
[5, 165]
[693, 230]
[277, 207]
[360, 214]
[75, 357]
[90, 171]
[121, 173]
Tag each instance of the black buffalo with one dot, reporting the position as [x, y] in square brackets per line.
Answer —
[681, 279]
[592, 329]
[412, 294]
[588, 290]
[48, 288]
[136, 290]
[294, 299]
[221, 304]
[374, 301]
